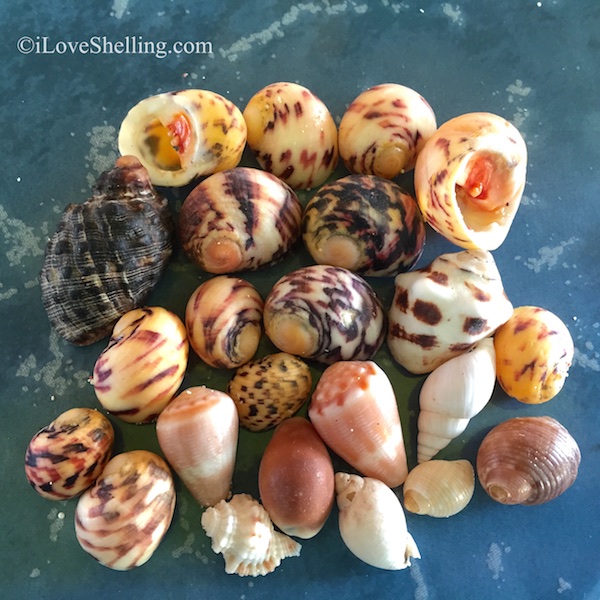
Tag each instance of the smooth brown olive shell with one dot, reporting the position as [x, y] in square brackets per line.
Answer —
[527, 460]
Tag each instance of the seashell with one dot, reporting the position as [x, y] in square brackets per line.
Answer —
[296, 479]
[439, 488]
[445, 308]
[527, 460]
[223, 319]
[241, 219]
[372, 523]
[107, 254]
[469, 179]
[292, 134]
[179, 136]
[452, 395]
[124, 517]
[64, 458]
[142, 367]
[534, 350]
[243, 533]
[384, 129]
[365, 224]
[354, 410]
[198, 434]
[326, 314]
[269, 390]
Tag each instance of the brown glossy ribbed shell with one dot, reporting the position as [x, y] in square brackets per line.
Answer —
[527, 460]
[107, 254]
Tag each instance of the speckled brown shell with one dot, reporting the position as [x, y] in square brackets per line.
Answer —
[107, 254]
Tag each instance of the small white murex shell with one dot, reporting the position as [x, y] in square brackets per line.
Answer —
[242, 531]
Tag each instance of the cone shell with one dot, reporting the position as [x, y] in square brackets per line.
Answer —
[269, 390]
[143, 365]
[439, 488]
[179, 136]
[66, 457]
[445, 308]
[292, 134]
[296, 479]
[124, 517]
[365, 224]
[198, 434]
[384, 129]
[241, 219]
[452, 395]
[527, 460]
[534, 350]
[243, 533]
[372, 523]
[469, 179]
[326, 314]
[354, 410]
[223, 319]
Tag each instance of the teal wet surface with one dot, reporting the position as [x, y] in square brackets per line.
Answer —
[535, 63]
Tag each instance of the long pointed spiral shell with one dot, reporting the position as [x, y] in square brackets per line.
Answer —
[452, 395]
[372, 523]
[243, 533]
[527, 460]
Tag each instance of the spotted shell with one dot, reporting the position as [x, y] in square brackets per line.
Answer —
[122, 519]
[365, 224]
[142, 367]
[179, 136]
[64, 458]
[384, 129]
[326, 314]
[107, 254]
[470, 177]
[269, 390]
[292, 134]
[223, 319]
[445, 308]
[240, 219]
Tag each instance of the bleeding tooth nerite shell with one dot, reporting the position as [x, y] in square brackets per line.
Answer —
[142, 367]
[124, 517]
[527, 460]
[354, 410]
[364, 223]
[240, 219]
[107, 254]
[292, 134]
[179, 136]
[242, 531]
[198, 434]
[64, 458]
[223, 318]
[269, 390]
[296, 479]
[384, 129]
[469, 179]
[534, 350]
[445, 308]
[326, 314]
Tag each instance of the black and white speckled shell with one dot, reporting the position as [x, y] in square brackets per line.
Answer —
[107, 254]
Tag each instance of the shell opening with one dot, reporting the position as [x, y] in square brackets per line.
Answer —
[166, 143]
[415, 502]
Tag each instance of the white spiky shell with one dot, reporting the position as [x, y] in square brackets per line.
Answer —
[452, 395]
[372, 522]
[242, 531]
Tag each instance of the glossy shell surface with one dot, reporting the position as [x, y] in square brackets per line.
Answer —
[364, 223]
[292, 134]
[240, 219]
[64, 458]
[179, 136]
[107, 254]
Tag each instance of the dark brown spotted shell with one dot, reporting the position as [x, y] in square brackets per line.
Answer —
[107, 254]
